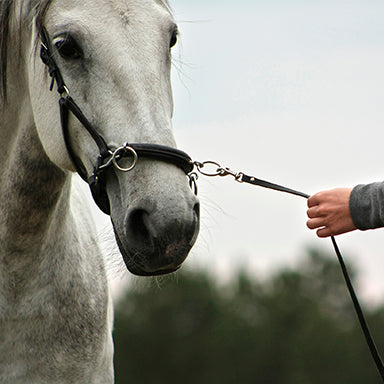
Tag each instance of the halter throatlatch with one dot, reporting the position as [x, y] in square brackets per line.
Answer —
[123, 158]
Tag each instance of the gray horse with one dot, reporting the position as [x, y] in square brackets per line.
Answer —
[55, 306]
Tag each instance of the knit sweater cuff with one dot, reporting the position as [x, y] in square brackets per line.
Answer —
[367, 205]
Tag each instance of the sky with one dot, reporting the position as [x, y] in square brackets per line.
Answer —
[287, 91]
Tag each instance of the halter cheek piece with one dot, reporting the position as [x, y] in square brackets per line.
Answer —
[108, 157]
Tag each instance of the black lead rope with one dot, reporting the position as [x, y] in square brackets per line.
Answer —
[368, 337]
[217, 170]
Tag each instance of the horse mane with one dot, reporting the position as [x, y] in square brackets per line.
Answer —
[35, 8]
[5, 10]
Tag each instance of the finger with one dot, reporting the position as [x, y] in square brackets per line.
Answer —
[332, 230]
[324, 232]
[313, 200]
[313, 212]
[315, 223]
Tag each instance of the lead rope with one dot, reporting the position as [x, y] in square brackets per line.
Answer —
[218, 170]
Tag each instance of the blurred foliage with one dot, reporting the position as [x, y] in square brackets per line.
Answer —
[297, 327]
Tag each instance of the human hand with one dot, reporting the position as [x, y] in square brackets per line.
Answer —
[329, 211]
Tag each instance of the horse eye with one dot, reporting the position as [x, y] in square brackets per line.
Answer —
[68, 48]
[173, 38]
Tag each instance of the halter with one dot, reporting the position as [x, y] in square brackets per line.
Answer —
[108, 156]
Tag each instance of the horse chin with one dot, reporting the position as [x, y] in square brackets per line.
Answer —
[166, 259]
[156, 273]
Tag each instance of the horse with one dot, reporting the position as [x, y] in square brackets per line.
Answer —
[110, 62]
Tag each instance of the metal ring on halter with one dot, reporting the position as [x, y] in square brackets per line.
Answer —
[119, 152]
[200, 166]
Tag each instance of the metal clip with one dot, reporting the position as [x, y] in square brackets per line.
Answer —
[219, 171]
[193, 182]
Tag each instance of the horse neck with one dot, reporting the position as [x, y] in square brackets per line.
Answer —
[34, 193]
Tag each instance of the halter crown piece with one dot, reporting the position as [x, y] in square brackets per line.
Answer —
[116, 157]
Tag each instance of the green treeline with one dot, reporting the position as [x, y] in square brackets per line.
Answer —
[297, 327]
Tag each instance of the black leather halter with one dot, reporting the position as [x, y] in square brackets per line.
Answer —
[108, 156]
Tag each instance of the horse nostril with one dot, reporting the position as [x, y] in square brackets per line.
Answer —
[160, 242]
[139, 227]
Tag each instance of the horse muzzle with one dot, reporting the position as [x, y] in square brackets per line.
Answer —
[157, 241]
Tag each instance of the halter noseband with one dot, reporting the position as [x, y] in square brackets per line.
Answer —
[108, 157]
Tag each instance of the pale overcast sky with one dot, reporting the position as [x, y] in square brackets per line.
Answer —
[291, 92]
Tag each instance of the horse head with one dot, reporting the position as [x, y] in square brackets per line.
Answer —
[115, 59]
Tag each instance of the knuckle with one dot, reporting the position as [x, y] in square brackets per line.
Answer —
[323, 210]
[319, 196]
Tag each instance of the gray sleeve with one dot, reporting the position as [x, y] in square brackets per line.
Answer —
[367, 205]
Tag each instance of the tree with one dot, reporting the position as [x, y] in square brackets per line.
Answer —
[297, 327]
